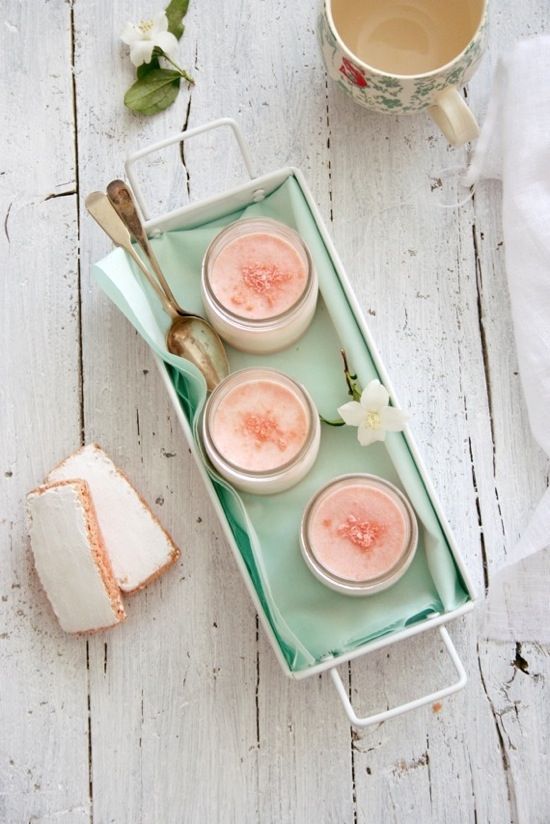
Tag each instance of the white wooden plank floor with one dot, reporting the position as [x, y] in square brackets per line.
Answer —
[182, 714]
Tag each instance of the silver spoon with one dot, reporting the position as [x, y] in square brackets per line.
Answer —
[122, 198]
[189, 336]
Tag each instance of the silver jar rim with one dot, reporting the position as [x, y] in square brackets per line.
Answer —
[221, 391]
[283, 230]
[371, 585]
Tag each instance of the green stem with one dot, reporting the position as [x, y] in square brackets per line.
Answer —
[351, 380]
[353, 389]
[182, 72]
[331, 422]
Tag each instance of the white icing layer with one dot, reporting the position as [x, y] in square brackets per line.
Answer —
[135, 542]
[64, 560]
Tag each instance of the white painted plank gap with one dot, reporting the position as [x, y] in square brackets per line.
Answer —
[513, 674]
[304, 743]
[409, 269]
[43, 680]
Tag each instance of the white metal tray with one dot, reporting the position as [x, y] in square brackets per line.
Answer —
[254, 190]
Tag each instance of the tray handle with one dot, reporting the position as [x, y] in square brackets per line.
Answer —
[410, 705]
[179, 138]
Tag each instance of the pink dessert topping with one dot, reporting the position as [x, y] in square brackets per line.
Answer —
[265, 429]
[361, 533]
[264, 279]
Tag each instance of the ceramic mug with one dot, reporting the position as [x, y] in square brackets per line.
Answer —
[403, 56]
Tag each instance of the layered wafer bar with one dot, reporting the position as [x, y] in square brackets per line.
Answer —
[70, 557]
[139, 548]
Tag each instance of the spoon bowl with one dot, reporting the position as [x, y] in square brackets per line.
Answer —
[190, 336]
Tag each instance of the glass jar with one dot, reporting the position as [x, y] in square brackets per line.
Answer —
[260, 430]
[359, 534]
[259, 286]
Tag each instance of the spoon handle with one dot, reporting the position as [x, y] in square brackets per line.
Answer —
[167, 304]
[122, 198]
[103, 212]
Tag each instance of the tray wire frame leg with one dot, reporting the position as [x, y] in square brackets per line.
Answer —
[368, 720]
[180, 138]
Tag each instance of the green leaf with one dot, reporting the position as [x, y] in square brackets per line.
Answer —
[147, 68]
[154, 92]
[175, 12]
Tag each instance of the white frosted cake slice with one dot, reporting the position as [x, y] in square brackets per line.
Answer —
[139, 548]
[70, 557]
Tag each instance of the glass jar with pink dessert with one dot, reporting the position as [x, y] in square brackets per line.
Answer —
[259, 285]
[260, 430]
[359, 534]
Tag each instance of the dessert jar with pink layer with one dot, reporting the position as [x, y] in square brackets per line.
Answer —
[259, 286]
[359, 534]
[260, 431]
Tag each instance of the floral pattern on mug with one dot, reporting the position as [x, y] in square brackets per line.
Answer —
[353, 74]
[387, 93]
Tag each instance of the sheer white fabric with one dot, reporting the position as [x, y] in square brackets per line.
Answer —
[514, 146]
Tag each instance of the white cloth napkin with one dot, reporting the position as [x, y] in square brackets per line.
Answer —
[514, 146]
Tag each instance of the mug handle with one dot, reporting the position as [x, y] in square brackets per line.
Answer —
[454, 117]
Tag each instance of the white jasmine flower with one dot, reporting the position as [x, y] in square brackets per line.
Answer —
[142, 38]
[371, 415]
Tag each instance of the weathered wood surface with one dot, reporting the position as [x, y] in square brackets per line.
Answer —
[182, 714]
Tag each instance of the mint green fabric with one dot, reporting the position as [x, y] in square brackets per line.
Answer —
[311, 623]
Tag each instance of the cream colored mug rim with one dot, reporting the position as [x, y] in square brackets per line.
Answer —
[373, 70]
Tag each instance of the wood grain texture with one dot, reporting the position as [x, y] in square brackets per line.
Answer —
[43, 676]
[414, 272]
[183, 714]
[519, 474]
[303, 752]
[184, 666]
